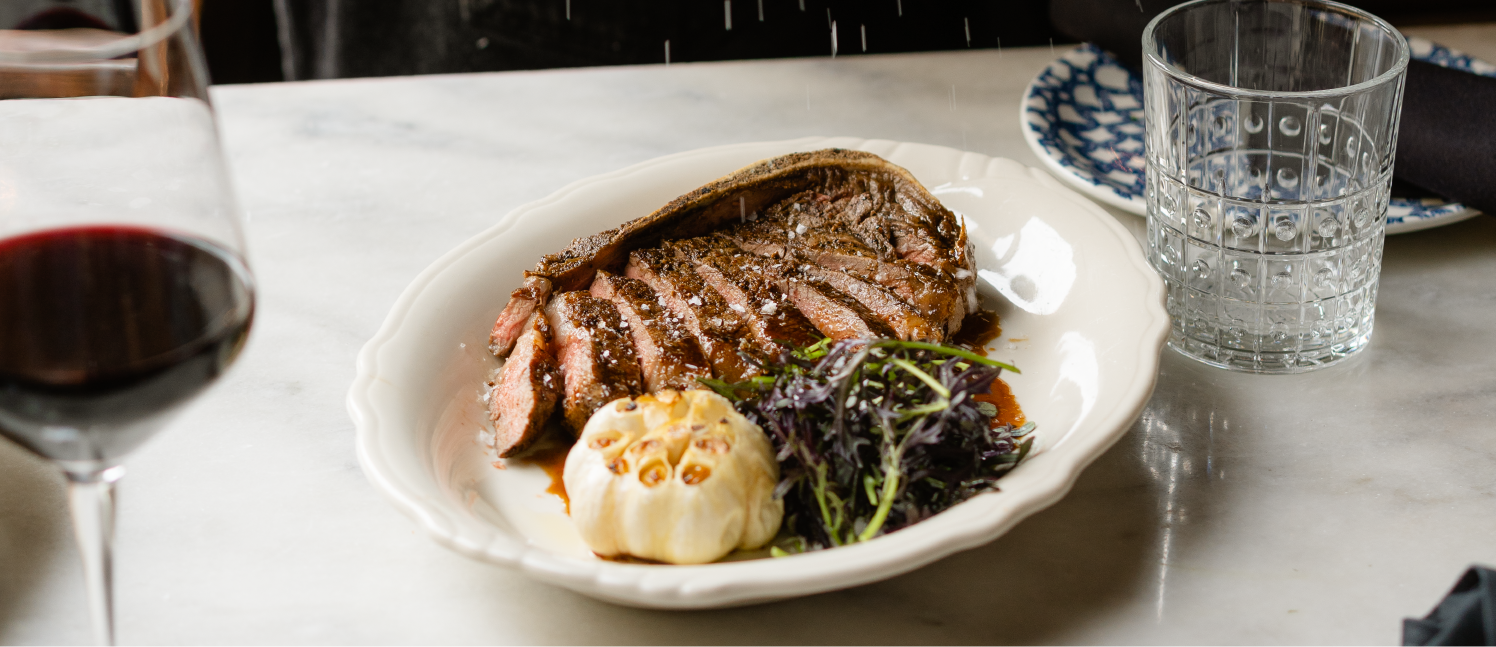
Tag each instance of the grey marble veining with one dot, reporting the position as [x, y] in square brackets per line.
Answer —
[1318, 508]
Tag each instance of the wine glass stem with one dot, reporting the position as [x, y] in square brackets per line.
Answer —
[91, 497]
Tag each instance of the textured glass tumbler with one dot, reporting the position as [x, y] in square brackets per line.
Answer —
[1271, 128]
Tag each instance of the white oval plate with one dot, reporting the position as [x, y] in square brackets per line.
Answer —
[1082, 316]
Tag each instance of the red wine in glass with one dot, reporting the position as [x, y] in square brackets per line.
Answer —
[107, 329]
[123, 290]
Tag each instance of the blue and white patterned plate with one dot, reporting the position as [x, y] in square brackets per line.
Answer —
[1083, 117]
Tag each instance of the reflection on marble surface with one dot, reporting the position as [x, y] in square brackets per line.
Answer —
[1239, 508]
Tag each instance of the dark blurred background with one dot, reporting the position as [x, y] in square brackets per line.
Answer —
[274, 40]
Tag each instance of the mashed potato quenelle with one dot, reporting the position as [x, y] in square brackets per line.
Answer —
[675, 477]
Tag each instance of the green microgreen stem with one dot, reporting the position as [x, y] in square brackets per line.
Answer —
[820, 493]
[885, 503]
[933, 407]
[935, 384]
[947, 350]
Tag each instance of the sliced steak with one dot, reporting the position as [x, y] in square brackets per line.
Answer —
[908, 217]
[529, 386]
[936, 296]
[858, 213]
[743, 280]
[523, 302]
[595, 353]
[906, 323]
[912, 226]
[716, 328]
[808, 238]
[836, 315]
[668, 356]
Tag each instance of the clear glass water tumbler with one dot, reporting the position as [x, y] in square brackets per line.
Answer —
[1271, 128]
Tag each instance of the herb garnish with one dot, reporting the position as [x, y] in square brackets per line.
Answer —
[874, 436]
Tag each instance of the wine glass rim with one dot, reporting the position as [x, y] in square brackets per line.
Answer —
[110, 49]
[1399, 66]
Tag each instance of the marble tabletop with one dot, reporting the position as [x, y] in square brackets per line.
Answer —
[1318, 508]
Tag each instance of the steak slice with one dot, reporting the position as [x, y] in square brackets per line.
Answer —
[716, 328]
[528, 388]
[523, 302]
[918, 227]
[595, 353]
[935, 297]
[908, 225]
[914, 227]
[870, 214]
[836, 315]
[668, 356]
[743, 280]
[906, 323]
[830, 244]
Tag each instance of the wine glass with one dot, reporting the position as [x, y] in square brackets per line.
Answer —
[123, 286]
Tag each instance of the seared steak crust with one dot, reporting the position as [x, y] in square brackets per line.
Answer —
[525, 396]
[668, 357]
[595, 353]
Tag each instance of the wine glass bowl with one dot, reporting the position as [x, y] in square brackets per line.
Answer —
[123, 287]
[109, 329]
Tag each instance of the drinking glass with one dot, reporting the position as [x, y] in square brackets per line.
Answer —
[1271, 127]
[123, 287]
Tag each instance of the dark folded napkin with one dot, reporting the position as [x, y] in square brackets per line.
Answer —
[1446, 143]
[1467, 616]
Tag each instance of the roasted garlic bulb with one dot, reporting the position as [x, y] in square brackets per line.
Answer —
[674, 477]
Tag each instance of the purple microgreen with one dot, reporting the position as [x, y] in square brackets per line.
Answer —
[872, 436]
